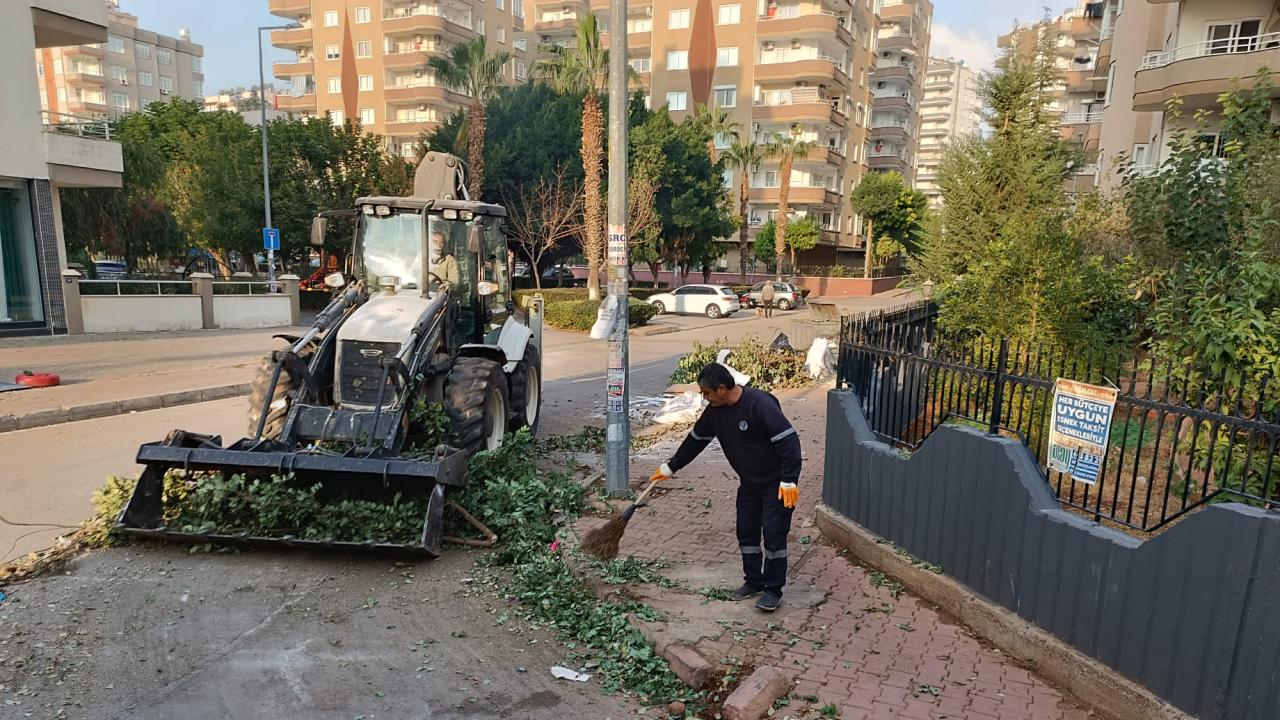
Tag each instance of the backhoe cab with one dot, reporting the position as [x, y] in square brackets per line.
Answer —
[422, 317]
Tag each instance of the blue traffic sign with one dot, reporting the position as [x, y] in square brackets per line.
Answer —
[270, 238]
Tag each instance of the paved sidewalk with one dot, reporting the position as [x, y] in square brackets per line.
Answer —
[852, 636]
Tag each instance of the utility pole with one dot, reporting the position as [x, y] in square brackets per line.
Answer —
[619, 428]
[266, 172]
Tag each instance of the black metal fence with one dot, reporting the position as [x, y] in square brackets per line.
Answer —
[1178, 439]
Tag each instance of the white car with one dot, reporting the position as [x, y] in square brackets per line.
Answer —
[711, 300]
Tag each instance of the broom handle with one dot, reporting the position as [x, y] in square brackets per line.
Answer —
[646, 492]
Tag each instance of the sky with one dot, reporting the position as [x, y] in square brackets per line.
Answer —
[962, 29]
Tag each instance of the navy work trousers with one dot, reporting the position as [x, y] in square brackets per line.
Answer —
[762, 516]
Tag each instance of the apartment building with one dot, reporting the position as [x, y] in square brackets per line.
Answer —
[950, 109]
[44, 150]
[133, 68]
[897, 82]
[774, 65]
[365, 60]
[1196, 50]
[239, 99]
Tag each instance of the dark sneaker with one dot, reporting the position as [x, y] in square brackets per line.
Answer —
[746, 591]
[770, 601]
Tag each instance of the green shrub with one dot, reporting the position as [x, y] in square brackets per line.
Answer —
[580, 315]
[554, 295]
[769, 370]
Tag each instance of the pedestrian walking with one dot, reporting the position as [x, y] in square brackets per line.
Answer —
[763, 448]
[766, 298]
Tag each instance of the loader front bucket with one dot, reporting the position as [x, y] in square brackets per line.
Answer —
[337, 477]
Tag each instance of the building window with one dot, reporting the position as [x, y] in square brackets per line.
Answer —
[640, 25]
[678, 19]
[331, 52]
[166, 84]
[521, 44]
[502, 35]
[197, 63]
[366, 83]
[678, 60]
[120, 100]
[479, 26]
[500, 4]
[335, 117]
[39, 68]
[364, 49]
[677, 100]
[142, 50]
[164, 56]
[730, 14]
[366, 116]
[723, 140]
[517, 8]
[727, 57]
[334, 84]
[727, 96]
[1111, 83]
[62, 94]
[330, 18]
[522, 70]
[115, 44]
[640, 65]
[144, 78]
[197, 88]
[1140, 155]
[119, 74]
[1212, 144]
[363, 15]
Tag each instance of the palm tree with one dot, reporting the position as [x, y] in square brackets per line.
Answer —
[785, 149]
[719, 123]
[745, 157]
[472, 70]
[585, 69]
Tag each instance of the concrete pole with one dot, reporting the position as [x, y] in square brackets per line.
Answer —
[619, 428]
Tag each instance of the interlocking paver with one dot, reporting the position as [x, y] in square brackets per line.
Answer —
[871, 651]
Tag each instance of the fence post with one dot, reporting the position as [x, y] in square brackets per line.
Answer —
[997, 395]
[202, 285]
[290, 283]
[71, 301]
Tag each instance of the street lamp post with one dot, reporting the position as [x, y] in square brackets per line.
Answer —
[619, 422]
[266, 172]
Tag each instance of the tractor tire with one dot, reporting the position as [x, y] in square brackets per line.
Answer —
[526, 392]
[475, 399]
[278, 410]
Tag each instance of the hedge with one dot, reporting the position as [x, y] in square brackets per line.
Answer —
[580, 315]
[554, 295]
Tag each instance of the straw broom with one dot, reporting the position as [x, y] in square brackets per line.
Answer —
[603, 541]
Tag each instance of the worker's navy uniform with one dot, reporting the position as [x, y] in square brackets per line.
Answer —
[764, 449]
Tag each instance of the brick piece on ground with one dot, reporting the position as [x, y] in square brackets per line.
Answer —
[753, 698]
[692, 669]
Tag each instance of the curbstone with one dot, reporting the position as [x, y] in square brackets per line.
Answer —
[223, 391]
[146, 402]
[110, 408]
[182, 397]
[40, 418]
[689, 666]
[752, 699]
[94, 410]
[656, 329]
[8, 423]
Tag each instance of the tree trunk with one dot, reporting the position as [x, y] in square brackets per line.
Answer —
[653, 270]
[780, 225]
[475, 149]
[868, 257]
[592, 210]
[744, 245]
[706, 272]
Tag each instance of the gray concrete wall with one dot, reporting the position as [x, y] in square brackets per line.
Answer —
[1192, 614]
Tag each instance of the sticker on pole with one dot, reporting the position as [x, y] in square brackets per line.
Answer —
[617, 245]
[1080, 428]
[270, 238]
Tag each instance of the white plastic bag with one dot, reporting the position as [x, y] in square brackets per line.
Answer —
[606, 318]
[738, 378]
[820, 361]
[681, 409]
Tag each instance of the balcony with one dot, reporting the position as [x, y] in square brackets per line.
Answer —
[93, 51]
[407, 56]
[80, 151]
[825, 24]
[557, 21]
[425, 20]
[934, 132]
[894, 103]
[1088, 117]
[797, 195]
[895, 42]
[896, 71]
[887, 161]
[797, 104]
[288, 8]
[1201, 72]
[285, 71]
[295, 103]
[297, 37]
[84, 76]
[804, 64]
[87, 104]
[897, 11]
[422, 92]
[898, 134]
[1080, 80]
[411, 128]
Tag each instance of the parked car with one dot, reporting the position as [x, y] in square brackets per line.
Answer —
[110, 269]
[711, 300]
[552, 277]
[785, 295]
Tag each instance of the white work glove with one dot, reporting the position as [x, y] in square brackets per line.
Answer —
[662, 473]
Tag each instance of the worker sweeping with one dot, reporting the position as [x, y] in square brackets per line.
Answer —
[763, 448]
